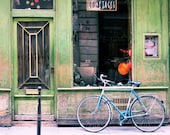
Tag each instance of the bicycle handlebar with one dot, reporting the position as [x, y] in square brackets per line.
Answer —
[106, 81]
[102, 77]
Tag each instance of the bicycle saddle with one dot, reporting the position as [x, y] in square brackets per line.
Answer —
[135, 83]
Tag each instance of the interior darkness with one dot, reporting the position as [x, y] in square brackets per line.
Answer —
[113, 36]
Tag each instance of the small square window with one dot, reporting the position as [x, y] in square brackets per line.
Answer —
[151, 45]
[32, 4]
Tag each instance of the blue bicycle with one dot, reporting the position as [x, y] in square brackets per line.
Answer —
[146, 112]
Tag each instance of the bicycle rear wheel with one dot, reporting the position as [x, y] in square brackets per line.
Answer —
[148, 117]
[91, 117]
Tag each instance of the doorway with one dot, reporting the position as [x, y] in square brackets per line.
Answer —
[32, 68]
[115, 42]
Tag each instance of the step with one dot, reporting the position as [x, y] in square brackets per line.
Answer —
[34, 123]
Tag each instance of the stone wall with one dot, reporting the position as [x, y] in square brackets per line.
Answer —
[5, 109]
[68, 101]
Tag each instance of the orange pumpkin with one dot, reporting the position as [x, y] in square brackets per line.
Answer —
[124, 68]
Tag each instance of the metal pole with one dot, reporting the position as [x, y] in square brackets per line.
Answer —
[39, 112]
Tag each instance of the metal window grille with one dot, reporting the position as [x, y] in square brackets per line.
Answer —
[33, 54]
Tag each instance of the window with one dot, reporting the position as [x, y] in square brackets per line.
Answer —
[33, 55]
[32, 4]
[102, 43]
[151, 45]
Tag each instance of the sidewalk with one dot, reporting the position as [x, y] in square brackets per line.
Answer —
[115, 130]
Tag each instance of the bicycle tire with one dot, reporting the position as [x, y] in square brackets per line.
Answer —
[155, 113]
[90, 119]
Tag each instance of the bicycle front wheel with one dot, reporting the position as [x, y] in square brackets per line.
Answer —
[147, 113]
[93, 115]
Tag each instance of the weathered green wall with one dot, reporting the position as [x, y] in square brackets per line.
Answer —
[5, 63]
[150, 16]
[168, 93]
[63, 47]
[5, 38]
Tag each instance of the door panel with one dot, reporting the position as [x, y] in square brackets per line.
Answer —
[32, 63]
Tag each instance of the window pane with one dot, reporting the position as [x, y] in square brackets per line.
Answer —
[32, 4]
[101, 42]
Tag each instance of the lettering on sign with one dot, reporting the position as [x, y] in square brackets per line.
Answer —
[101, 5]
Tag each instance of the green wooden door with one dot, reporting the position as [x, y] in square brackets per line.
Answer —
[33, 67]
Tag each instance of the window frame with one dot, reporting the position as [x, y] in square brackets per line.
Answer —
[157, 37]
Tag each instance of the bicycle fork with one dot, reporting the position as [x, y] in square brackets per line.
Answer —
[98, 105]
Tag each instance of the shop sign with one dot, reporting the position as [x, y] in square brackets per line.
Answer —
[101, 5]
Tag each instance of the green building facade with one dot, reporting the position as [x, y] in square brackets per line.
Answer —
[51, 42]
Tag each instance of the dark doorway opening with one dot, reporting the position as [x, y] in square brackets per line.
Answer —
[115, 42]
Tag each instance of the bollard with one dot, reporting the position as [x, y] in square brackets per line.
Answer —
[39, 112]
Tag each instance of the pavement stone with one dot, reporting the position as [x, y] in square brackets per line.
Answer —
[111, 130]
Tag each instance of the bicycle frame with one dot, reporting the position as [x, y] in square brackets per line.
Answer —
[125, 114]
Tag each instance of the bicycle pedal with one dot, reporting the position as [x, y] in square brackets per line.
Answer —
[120, 124]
